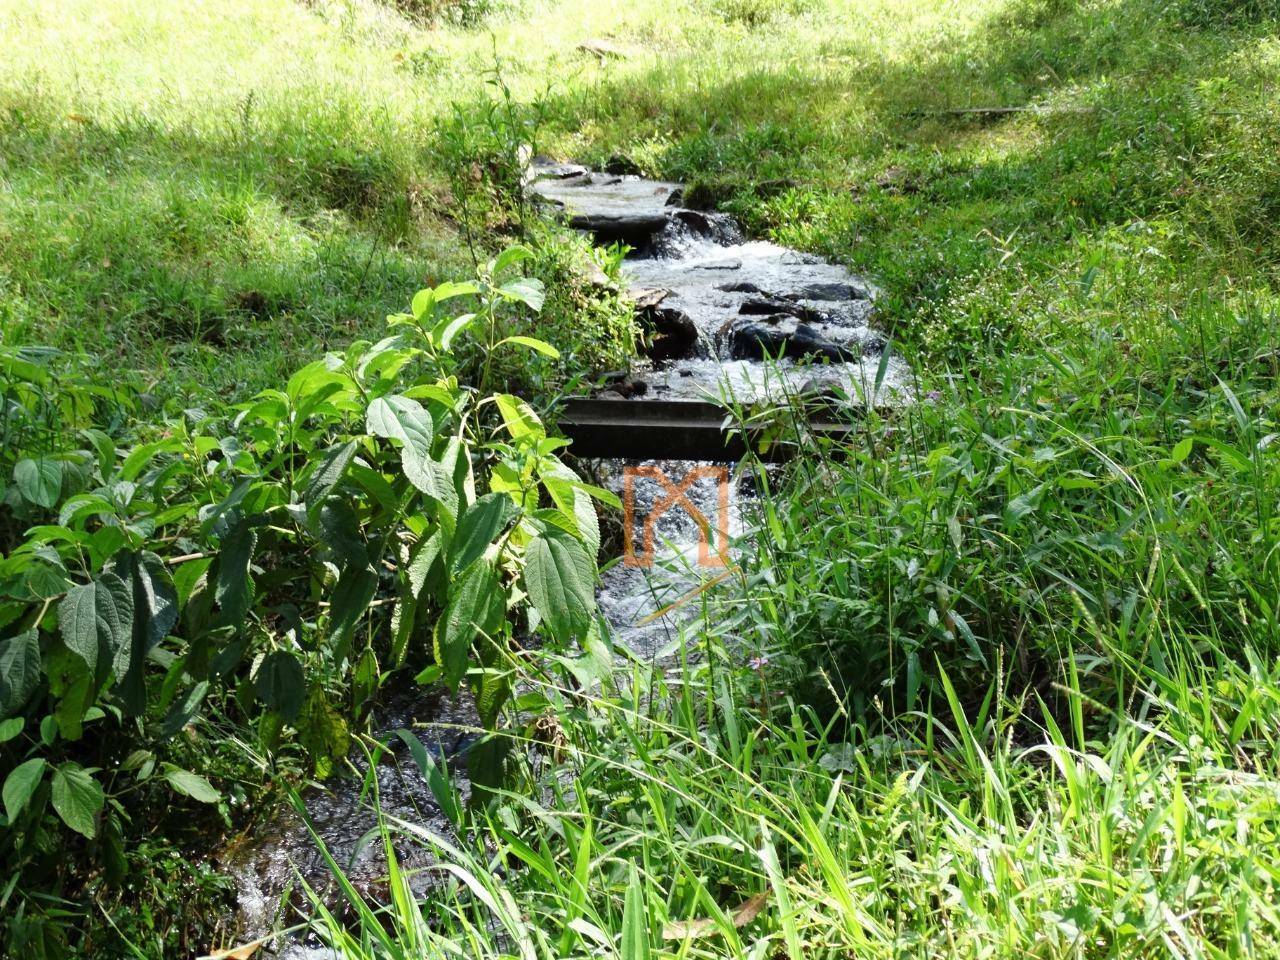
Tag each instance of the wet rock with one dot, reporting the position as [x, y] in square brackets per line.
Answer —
[622, 164]
[784, 336]
[833, 290]
[646, 298]
[672, 334]
[620, 385]
[614, 208]
[544, 169]
[765, 305]
[715, 227]
[723, 265]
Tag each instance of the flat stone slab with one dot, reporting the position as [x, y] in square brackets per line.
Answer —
[694, 272]
[613, 207]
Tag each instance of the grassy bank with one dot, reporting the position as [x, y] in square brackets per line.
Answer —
[998, 678]
[1012, 680]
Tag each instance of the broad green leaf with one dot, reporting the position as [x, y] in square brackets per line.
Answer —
[39, 481]
[404, 618]
[423, 564]
[19, 671]
[386, 358]
[559, 577]
[280, 683]
[1182, 449]
[350, 600]
[234, 589]
[339, 530]
[533, 343]
[491, 691]
[399, 418]
[314, 379]
[323, 733]
[155, 611]
[74, 702]
[20, 785]
[192, 785]
[486, 767]
[144, 453]
[519, 417]
[328, 472]
[365, 678]
[478, 527]
[77, 798]
[574, 501]
[475, 605]
[448, 329]
[527, 290]
[44, 581]
[182, 711]
[96, 619]
[425, 301]
[516, 253]
[376, 486]
[10, 728]
[1024, 503]
[436, 478]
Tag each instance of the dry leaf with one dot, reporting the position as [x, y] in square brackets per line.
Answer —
[693, 929]
[242, 952]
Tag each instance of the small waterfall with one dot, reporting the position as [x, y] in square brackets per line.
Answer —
[709, 277]
[688, 228]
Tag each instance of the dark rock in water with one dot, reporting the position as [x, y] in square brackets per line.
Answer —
[673, 335]
[621, 163]
[833, 290]
[739, 286]
[622, 386]
[783, 336]
[550, 170]
[686, 228]
[731, 264]
[765, 305]
[716, 227]
[633, 229]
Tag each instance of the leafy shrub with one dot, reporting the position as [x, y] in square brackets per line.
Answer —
[373, 513]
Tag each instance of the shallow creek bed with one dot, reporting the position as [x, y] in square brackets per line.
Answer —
[716, 305]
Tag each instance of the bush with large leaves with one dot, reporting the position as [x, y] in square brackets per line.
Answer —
[371, 513]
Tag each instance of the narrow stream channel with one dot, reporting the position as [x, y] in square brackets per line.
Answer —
[717, 303]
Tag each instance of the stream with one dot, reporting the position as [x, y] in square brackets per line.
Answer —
[715, 304]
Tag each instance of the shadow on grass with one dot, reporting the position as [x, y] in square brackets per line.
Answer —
[850, 151]
[271, 234]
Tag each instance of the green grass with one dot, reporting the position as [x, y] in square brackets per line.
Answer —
[1023, 637]
[209, 192]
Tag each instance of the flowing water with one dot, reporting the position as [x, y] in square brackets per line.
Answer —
[737, 298]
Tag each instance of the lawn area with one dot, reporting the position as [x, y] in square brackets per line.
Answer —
[999, 676]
